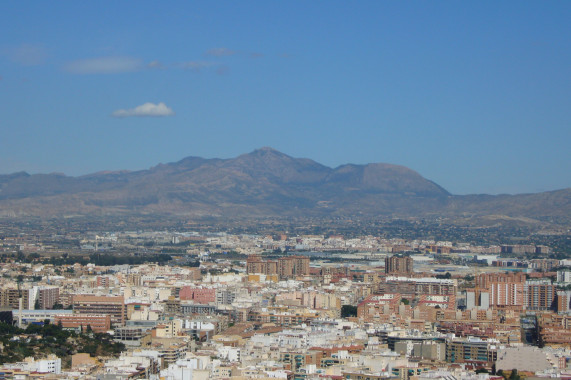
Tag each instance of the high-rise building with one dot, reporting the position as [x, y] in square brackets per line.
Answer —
[10, 297]
[285, 267]
[563, 301]
[564, 276]
[43, 297]
[255, 265]
[290, 266]
[506, 290]
[539, 295]
[398, 265]
[47, 297]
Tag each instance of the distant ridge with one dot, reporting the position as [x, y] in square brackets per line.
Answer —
[265, 183]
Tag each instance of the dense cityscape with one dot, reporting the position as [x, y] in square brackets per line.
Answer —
[212, 304]
[285, 190]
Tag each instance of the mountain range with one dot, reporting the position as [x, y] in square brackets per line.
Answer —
[267, 183]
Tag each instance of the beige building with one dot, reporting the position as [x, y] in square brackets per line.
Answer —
[98, 323]
[108, 305]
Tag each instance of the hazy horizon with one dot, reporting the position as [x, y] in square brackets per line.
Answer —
[473, 96]
[226, 158]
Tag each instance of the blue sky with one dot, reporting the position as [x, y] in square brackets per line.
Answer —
[474, 96]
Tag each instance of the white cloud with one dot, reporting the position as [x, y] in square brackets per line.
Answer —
[197, 65]
[220, 52]
[28, 55]
[104, 65]
[145, 110]
[155, 65]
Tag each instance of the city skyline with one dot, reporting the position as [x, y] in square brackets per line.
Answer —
[472, 96]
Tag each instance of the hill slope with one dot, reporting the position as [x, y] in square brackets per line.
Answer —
[263, 183]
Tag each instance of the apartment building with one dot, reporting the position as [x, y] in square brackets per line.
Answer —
[506, 290]
[539, 295]
[410, 286]
[113, 306]
[99, 323]
[285, 267]
[563, 305]
[197, 294]
[45, 297]
[10, 297]
[464, 350]
[398, 265]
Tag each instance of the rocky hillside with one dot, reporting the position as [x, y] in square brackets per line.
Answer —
[263, 183]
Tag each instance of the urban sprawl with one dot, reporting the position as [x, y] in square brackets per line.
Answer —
[195, 305]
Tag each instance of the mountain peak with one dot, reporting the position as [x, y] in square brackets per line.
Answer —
[267, 150]
[265, 156]
[264, 182]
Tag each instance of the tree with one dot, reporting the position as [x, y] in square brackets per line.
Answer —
[348, 311]
[514, 375]
[405, 301]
